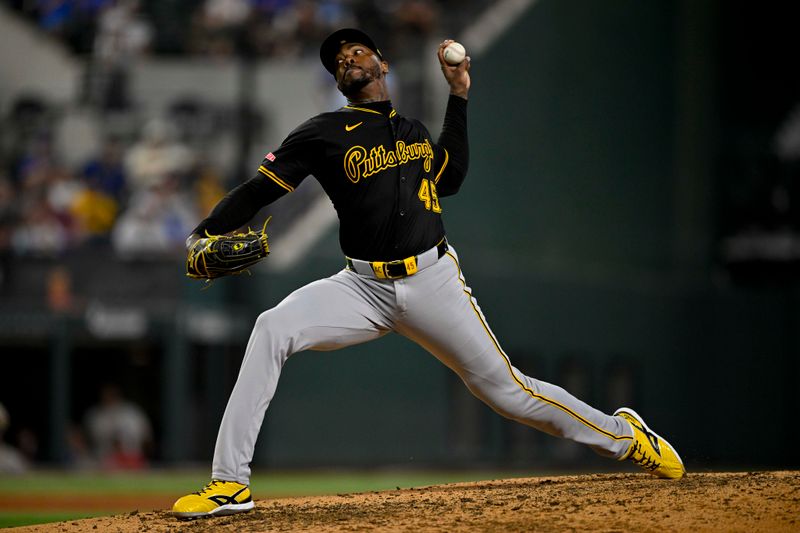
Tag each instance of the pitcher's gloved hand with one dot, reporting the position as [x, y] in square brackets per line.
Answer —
[214, 256]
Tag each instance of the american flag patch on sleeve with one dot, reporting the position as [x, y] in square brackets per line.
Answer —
[270, 157]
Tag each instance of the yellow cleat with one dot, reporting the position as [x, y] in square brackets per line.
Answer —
[216, 499]
[648, 450]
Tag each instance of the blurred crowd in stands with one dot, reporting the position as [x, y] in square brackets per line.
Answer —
[114, 433]
[153, 181]
[153, 186]
[267, 28]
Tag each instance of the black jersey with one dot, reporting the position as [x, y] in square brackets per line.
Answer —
[381, 170]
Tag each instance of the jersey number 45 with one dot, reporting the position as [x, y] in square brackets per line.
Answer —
[427, 195]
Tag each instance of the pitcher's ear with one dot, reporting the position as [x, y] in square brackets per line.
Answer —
[384, 67]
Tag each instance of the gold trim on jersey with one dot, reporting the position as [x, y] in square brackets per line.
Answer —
[363, 109]
[446, 159]
[519, 382]
[393, 113]
[274, 177]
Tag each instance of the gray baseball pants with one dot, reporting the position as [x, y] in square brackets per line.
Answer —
[434, 308]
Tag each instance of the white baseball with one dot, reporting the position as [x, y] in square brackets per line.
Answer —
[454, 53]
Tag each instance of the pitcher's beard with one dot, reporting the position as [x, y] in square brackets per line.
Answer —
[350, 86]
[353, 87]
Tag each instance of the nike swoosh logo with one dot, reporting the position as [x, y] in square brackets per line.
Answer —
[348, 127]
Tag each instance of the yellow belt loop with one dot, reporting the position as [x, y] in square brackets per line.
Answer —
[411, 265]
[379, 267]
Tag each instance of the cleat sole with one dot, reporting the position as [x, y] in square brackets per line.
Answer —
[222, 510]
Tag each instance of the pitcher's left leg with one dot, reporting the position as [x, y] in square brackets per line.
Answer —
[443, 317]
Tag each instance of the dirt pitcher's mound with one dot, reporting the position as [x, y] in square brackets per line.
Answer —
[756, 501]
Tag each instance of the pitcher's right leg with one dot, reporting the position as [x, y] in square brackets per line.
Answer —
[324, 315]
[331, 313]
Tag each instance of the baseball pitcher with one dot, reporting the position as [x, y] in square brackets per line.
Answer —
[385, 176]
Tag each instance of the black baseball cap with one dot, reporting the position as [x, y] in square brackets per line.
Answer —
[331, 45]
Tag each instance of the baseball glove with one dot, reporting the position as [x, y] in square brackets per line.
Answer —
[215, 256]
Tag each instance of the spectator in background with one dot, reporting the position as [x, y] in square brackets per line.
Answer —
[53, 208]
[300, 29]
[23, 130]
[95, 207]
[123, 36]
[11, 460]
[266, 10]
[163, 213]
[40, 231]
[293, 29]
[226, 14]
[157, 157]
[60, 298]
[208, 186]
[159, 206]
[34, 161]
[119, 431]
[216, 27]
[262, 37]
[106, 173]
[336, 14]
[93, 214]
[61, 190]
